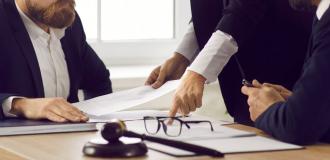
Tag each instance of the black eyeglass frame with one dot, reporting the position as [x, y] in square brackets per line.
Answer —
[161, 123]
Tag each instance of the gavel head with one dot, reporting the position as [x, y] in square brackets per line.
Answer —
[113, 130]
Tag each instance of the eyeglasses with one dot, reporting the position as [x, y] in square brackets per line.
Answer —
[172, 126]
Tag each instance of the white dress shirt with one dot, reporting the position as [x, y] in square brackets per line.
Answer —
[213, 57]
[323, 6]
[51, 60]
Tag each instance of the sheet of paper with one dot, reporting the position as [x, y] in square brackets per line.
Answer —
[231, 145]
[224, 139]
[134, 122]
[127, 115]
[196, 132]
[139, 114]
[246, 144]
[122, 100]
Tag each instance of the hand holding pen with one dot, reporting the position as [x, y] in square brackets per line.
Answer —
[247, 83]
[244, 81]
[260, 98]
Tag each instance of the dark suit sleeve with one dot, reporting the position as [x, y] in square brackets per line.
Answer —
[241, 18]
[304, 118]
[96, 77]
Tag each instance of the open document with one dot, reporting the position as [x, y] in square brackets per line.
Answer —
[122, 100]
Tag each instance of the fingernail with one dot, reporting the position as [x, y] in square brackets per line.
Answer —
[158, 83]
[154, 85]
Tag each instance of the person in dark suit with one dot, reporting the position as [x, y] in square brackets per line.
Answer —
[44, 60]
[264, 37]
[300, 116]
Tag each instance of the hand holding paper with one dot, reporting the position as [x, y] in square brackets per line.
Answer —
[119, 101]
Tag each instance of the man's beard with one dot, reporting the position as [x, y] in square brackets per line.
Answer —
[302, 5]
[60, 14]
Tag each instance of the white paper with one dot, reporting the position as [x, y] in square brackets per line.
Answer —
[122, 100]
[139, 114]
[246, 144]
[196, 132]
[224, 139]
[231, 145]
[127, 115]
[134, 122]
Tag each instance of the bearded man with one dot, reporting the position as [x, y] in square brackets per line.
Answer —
[45, 60]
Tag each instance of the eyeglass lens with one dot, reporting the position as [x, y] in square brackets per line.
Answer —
[152, 125]
[172, 127]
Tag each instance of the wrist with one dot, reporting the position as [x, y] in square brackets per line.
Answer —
[17, 106]
[196, 76]
[179, 57]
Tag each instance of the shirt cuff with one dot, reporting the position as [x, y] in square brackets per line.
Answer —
[6, 106]
[215, 55]
[189, 45]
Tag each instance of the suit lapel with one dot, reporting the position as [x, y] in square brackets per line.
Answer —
[26, 46]
[65, 41]
[225, 3]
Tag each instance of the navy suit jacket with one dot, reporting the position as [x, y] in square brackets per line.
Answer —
[305, 117]
[19, 70]
[271, 38]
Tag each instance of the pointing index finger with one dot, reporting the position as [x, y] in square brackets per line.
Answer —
[174, 109]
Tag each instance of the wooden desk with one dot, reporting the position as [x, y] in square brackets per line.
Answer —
[68, 146]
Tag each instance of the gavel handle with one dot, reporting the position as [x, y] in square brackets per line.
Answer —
[176, 144]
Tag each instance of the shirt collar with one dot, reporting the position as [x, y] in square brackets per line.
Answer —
[322, 8]
[35, 31]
